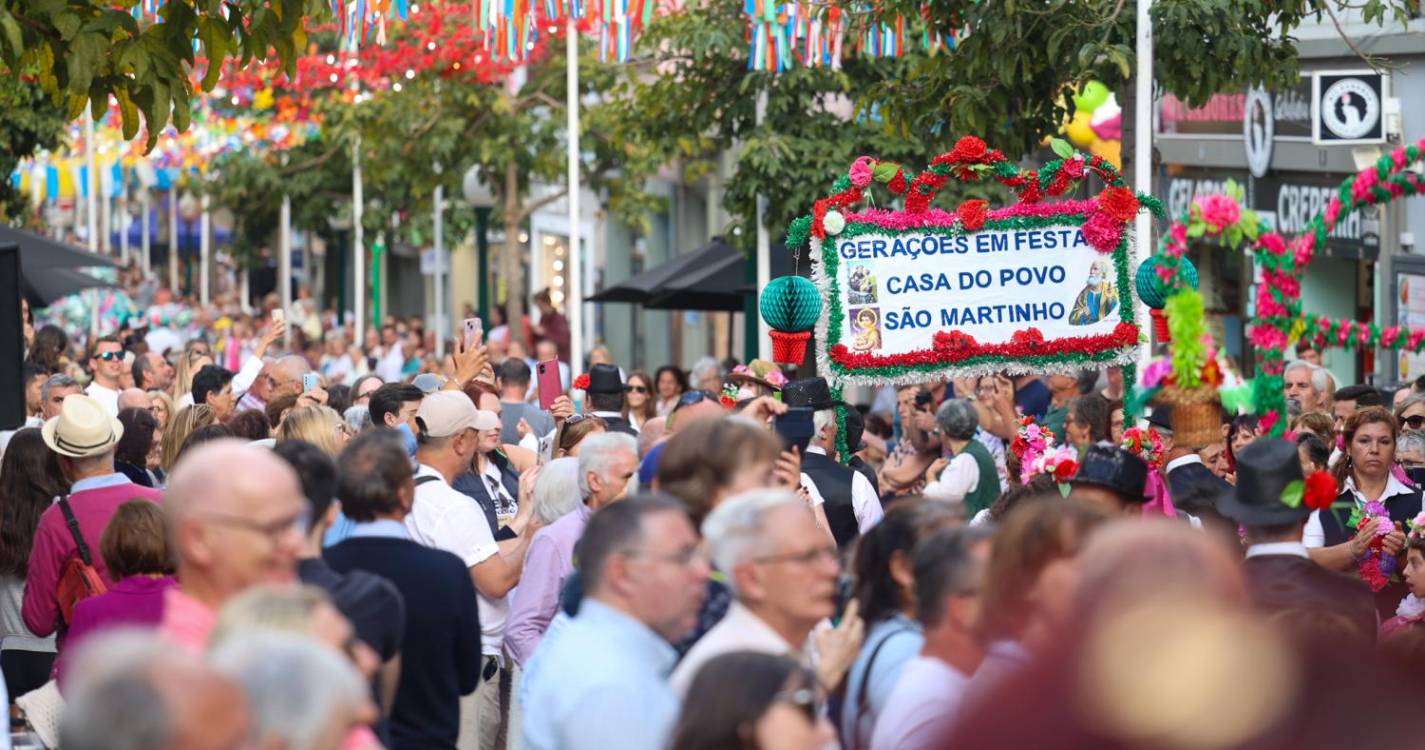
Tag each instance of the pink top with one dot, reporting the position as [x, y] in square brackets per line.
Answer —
[93, 502]
[135, 601]
[187, 621]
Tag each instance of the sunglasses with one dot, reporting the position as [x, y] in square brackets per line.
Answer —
[1414, 421]
[109, 356]
[573, 420]
[805, 699]
[637, 389]
[694, 397]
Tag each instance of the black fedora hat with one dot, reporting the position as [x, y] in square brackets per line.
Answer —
[604, 379]
[1264, 470]
[1162, 418]
[812, 392]
[1113, 468]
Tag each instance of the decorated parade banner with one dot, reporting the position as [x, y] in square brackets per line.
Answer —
[921, 292]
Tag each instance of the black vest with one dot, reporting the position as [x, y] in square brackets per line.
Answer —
[1402, 507]
[833, 481]
[473, 484]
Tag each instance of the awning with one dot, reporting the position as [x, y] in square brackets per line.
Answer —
[651, 284]
[48, 285]
[720, 284]
[37, 252]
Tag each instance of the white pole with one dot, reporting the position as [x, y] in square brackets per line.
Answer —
[91, 188]
[173, 238]
[145, 235]
[124, 227]
[575, 295]
[439, 281]
[764, 250]
[1143, 143]
[204, 225]
[358, 254]
[284, 263]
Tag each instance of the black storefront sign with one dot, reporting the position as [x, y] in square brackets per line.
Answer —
[1349, 107]
[1290, 200]
[1188, 183]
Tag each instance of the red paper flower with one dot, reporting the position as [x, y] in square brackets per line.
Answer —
[727, 401]
[1120, 203]
[968, 148]
[954, 340]
[972, 214]
[1030, 337]
[1320, 490]
[582, 382]
[897, 183]
[1065, 470]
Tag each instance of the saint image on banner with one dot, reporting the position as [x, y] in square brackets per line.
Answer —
[1098, 299]
[866, 329]
[862, 284]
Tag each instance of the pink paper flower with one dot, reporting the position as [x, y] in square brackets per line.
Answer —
[1219, 211]
[1179, 234]
[1333, 210]
[861, 171]
[1103, 232]
[1273, 243]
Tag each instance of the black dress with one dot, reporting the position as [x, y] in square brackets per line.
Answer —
[1403, 504]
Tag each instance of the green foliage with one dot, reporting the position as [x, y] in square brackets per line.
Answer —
[82, 51]
[692, 97]
[1012, 76]
[30, 122]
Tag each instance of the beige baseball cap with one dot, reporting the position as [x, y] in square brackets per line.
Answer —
[487, 420]
[446, 413]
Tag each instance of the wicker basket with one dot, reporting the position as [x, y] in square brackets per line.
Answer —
[1197, 414]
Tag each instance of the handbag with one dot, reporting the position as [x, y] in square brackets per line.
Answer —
[79, 579]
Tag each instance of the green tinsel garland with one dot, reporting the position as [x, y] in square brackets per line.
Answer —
[1186, 325]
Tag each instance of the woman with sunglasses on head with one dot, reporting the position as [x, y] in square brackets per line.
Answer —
[1410, 414]
[639, 404]
[752, 701]
[572, 432]
[1367, 483]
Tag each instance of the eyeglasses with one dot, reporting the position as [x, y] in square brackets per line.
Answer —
[637, 389]
[273, 530]
[682, 558]
[1414, 421]
[805, 557]
[693, 397]
[109, 356]
[806, 699]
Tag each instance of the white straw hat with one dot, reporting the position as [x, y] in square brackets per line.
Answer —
[82, 429]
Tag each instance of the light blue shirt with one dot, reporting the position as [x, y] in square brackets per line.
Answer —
[384, 528]
[94, 483]
[894, 641]
[608, 687]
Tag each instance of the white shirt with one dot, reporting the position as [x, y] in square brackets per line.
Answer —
[245, 376]
[391, 365]
[33, 421]
[1296, 549]
[864, 502]
[107, 397]
[446, 519]
[1315, 535]
[814, 497]
[957, 480]
[921, 706]
[739, 630]
[1181, 461]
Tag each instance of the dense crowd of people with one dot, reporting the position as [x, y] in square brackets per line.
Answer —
[210, 538]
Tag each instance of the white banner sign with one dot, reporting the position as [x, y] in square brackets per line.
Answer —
[900, 289]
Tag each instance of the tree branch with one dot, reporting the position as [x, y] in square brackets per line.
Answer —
[530, 208]
[1375, 62]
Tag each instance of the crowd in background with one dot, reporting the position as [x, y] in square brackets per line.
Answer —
[210, 538]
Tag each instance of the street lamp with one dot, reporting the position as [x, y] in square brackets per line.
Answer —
[478, 195]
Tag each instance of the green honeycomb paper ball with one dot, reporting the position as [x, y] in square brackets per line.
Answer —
[790, 303]
[1150, 287]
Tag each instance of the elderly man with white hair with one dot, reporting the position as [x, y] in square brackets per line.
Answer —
[968, 477]
[1309, 384]
[603, 473]
[783, 572]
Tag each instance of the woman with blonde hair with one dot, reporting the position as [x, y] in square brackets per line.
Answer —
[162, 407]
[319, 425]
[193, 360]
[188, 419]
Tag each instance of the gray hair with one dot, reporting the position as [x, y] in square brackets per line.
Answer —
[1410, 440]
[1411, 400]
[958, 419]
[820, 420]
[295, 684]
[58, 380]
[944, 567]
[1320, 379]
[358, 417]
[706, 366]
[556, 490]
[597, 452]
[736, 529]
[112, 697]
[295, 364]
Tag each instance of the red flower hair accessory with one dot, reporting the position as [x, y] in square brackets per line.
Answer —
[1320, 490]
[582, 382]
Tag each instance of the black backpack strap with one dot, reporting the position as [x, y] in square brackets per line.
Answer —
[426, 480]
[74, 531]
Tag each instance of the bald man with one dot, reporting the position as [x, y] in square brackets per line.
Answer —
[133, 398]
[237, 517]
[130, 689]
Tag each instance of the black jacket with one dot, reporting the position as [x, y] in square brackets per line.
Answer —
[1286, 583]
[833, 481]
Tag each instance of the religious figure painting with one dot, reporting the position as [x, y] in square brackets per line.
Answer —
[1098, 299]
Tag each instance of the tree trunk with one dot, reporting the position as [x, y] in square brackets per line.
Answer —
[511, 269]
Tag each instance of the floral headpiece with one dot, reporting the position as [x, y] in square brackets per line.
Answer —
[772, 374]
[1061, 463]
[581, 382]
[1030, 444]
[1317, 491]
[1146, 444]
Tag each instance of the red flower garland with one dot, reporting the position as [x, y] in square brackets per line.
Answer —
[972, 214]
[957, 346]
[1120, 203]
